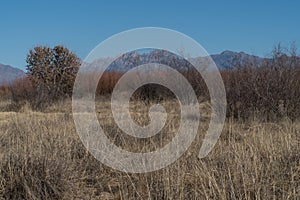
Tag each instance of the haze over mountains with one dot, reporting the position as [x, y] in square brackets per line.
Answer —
[225, 60]
[8, 74]
[228, 59]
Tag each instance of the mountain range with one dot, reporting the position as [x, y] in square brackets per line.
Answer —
[125, 62]
[228, 59]
[8, 74]
[224, 60]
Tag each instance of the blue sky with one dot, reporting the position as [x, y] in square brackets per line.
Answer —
[250, 26]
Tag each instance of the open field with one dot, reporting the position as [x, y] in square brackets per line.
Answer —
[43, 158]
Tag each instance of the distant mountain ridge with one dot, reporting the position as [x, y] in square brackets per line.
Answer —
[228, 59]
[8, 74]
[225, 60]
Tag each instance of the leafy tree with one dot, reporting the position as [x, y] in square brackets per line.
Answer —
[52, 70]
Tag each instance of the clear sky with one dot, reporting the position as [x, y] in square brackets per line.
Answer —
[250, 26]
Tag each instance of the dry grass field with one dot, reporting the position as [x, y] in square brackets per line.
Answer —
[42, 157]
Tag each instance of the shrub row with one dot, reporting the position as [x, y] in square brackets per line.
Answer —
[268, 90]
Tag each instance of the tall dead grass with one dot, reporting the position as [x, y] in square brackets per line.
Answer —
[43, 158]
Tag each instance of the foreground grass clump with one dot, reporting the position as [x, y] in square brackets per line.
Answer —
[43, 158]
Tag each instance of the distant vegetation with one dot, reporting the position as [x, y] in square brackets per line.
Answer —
[50, 77]
[266, 89]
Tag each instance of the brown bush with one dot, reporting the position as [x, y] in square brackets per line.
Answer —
[269, 91]
[5, 92]
[22, 91]
[107, 82]
[52, 71]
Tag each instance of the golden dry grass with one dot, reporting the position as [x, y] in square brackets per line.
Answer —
[43, 158]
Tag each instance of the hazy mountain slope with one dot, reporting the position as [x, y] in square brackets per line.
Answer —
[224, 60]
[8, 74]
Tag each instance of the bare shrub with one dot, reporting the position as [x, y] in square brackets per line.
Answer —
[22, 92]
[269, 90]
[5, 92]
[52, 72]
